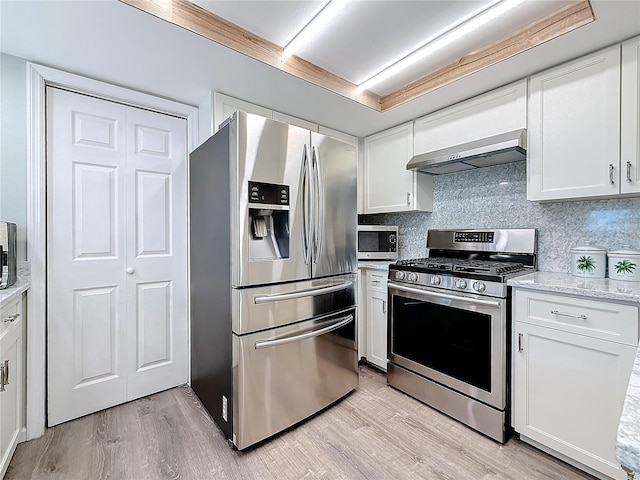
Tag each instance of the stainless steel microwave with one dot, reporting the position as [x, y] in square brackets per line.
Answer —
[377, 242]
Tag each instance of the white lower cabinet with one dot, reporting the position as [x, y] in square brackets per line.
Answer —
[11, 381]
[376, 324]
[572, 361]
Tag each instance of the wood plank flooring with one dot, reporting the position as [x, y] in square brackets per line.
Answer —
[374, 433]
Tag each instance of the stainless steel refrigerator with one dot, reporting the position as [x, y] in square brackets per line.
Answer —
[273, 282]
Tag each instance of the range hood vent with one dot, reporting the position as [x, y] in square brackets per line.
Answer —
[504, 148]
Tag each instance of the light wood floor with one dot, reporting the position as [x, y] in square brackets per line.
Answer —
[374, 433]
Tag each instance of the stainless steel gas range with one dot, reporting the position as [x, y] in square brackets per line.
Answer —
[450, 323]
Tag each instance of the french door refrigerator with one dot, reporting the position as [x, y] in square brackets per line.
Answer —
[273, 283]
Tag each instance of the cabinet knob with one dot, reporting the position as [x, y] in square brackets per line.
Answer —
[130, 271]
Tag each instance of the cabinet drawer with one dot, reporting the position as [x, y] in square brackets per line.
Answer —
[8, 312]
[593, 318]
[377, 281]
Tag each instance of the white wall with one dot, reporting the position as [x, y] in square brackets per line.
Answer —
[13, 146]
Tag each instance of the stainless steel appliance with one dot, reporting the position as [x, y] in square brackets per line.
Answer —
[273, 284]
[449, 323]
[503, 148]
[8, 259]
[377, 242]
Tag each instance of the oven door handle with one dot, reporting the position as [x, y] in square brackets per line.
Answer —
[477, 301]
[274, 342]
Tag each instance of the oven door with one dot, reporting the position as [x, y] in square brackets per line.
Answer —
[458, 340]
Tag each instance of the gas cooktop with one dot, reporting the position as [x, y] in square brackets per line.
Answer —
[471, 261]
[441, 264]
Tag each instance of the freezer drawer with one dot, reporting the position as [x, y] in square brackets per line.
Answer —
[270, 306]
[284, 375]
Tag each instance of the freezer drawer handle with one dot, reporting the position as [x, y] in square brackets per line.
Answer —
[445, 296]
[277, 297]
[340, 322]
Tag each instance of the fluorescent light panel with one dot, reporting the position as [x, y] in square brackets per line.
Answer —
[451, 35]
[311, 29]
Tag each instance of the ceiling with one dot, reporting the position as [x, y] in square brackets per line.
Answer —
[366, 36]
[117, 43]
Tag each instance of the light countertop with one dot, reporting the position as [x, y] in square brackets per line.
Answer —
[628, 441]
[18, 288]
[375, 264]
[597, 288]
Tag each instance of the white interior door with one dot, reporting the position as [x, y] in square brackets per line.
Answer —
[116, 203]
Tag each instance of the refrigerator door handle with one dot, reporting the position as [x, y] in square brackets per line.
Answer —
[319, 204]
[277, 297]
[306, 201]
[274, 342]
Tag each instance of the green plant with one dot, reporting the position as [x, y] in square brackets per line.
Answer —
[625, 266]
[586, 263]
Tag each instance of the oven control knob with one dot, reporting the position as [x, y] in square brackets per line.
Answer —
[461, 283]
[479, 286]
[435, 280]
[412, 277]
[400, 275]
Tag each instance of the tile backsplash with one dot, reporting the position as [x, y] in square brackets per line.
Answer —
[496, 197]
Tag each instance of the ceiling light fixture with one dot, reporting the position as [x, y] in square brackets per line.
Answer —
[449, 36]
[312, 28]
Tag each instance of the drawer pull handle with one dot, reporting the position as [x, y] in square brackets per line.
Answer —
[12, 318]
[570, 315]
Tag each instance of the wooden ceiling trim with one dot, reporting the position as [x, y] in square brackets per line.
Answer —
[558, 23]
[202, 22]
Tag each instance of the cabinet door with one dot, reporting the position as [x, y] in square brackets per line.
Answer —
[298, 122]
[630, 140]
[495, 112]
[224, 106]
[569, 390]
[574, 129]
[389, 186]
[11, 397]
[377, 329]
[362, 314]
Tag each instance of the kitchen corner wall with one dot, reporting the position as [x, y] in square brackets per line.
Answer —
[13, 146]
[496, 197]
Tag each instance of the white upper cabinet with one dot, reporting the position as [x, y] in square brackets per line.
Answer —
[329, 132]
[298, 122]
[224, 106]
[388, 185]
[573, 147]
[630, 144]
[495, 112]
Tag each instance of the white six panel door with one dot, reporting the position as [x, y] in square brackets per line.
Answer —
[116, 203]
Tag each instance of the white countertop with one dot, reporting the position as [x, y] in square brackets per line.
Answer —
[375, 264]
[18, 288]
[13, 291]
[628, 442]
[599, 288]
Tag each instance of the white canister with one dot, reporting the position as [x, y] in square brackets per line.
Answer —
[588, 261]
[624, 264]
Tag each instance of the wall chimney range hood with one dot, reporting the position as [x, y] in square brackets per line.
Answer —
[504, 148]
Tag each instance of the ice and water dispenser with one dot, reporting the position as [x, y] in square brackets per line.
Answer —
[269, 221]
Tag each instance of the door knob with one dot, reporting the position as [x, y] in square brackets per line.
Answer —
[130, 271]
